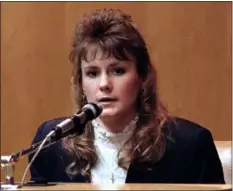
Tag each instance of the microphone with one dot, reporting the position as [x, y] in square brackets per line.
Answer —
[77, 122]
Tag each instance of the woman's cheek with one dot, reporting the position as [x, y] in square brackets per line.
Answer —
[90, 90]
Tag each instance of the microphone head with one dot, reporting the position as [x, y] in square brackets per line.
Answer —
[94, 108]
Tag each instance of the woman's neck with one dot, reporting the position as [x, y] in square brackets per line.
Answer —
[116, 124]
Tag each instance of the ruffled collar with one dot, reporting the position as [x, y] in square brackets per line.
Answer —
[102, 135]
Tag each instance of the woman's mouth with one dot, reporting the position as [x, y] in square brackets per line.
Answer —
[107, 100]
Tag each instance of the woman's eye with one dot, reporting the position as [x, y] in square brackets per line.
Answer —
[118, 71]
[91, 74]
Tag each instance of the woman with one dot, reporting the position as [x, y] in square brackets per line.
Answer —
[134, 140]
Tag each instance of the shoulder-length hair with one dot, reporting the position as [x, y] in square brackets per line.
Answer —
[116, 35]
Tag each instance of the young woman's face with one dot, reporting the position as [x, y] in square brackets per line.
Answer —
[113, 83]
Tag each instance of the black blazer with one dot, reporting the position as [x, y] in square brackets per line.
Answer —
[190, 157]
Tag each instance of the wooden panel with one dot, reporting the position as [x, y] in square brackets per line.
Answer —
[34, 72]
[191, 46]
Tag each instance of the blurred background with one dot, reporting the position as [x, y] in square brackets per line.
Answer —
[189, 42]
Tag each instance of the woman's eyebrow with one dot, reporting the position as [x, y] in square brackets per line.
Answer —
[96, 66]
[90, 67]
[115, 63]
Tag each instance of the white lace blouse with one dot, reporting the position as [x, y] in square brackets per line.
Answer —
[107, 145]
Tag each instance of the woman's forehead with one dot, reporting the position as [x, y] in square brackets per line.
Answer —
[95, 53]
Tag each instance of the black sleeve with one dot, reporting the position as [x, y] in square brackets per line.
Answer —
[211, 167]
[38, 167]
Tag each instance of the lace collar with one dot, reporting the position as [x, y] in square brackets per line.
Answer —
[113, 139]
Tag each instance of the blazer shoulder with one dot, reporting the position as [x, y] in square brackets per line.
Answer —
[185, 131]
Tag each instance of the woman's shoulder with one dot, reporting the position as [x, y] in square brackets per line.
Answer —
[185, 126]
[190, 148]
[185, 132]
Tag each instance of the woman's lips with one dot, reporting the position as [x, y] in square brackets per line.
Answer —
[107, 100]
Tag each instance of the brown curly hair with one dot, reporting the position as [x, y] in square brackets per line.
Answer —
[116, 35]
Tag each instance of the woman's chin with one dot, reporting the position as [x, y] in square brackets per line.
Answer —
[108, 113]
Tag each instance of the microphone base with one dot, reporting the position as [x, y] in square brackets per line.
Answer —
[9, 186]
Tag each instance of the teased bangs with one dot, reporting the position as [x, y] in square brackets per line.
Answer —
[110, 47]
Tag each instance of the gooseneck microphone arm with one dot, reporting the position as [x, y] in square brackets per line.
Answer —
[13, 158]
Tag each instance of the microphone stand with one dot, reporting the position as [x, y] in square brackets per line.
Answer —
[8, 161]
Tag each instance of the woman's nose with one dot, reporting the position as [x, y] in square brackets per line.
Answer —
[105, 83]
